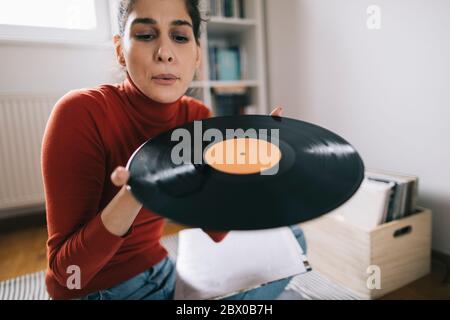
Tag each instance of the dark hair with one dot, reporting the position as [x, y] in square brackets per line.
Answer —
[192, 6]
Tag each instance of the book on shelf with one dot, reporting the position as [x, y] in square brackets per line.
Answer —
[228, 64]
[227, 8]
[230, 101]
[225, 63]
[241, 9]
[214, 8]
[212, 53]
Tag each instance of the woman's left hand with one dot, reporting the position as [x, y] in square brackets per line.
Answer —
[277, 112]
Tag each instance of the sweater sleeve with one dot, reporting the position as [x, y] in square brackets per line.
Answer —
[73, 168]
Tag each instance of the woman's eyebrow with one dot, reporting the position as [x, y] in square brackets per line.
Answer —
[144, 21]
[151, 21]
[181, 23]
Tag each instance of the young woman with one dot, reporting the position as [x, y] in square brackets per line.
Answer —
[102, 243]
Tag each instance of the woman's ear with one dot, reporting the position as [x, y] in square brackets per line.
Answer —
[119, 50]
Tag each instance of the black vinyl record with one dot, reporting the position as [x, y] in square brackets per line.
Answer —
[317, 172]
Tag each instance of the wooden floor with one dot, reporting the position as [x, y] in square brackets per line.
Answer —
[23, 252]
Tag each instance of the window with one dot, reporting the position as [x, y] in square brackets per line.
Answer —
[55, 20]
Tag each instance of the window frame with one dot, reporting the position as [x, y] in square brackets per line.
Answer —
[35, 34]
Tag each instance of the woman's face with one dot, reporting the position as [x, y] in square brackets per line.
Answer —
[159, 49]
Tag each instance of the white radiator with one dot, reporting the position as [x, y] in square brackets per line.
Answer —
[22, 124]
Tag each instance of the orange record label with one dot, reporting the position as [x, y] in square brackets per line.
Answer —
[242, 156]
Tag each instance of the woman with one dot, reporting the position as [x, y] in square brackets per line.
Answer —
[102, 243]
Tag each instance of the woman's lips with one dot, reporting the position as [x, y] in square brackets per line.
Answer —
[165, 79]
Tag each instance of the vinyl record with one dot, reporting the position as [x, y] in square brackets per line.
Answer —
[290, 172]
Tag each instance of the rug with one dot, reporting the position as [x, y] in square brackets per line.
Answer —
[308, 286]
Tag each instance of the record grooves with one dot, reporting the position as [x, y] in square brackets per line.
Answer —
[315, 172]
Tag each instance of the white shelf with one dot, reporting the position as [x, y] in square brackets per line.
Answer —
[218, 26]
[239, 83]
[216, 84]
[246, 33]
[217, 21]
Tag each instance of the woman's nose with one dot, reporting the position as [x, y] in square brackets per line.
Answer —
[164, 54]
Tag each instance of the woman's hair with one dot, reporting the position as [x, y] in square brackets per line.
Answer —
[192, 6]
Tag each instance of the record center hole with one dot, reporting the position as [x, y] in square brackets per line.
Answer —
[243, 156]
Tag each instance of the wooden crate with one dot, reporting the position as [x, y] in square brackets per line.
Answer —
[343, 252]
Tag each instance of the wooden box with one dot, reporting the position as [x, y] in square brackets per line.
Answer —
[350, 256]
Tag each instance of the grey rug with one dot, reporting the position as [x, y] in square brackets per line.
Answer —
[307, 286]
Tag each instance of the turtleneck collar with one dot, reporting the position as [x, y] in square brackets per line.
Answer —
[151, 111]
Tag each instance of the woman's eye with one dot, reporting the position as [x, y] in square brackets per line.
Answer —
[180, 38]
[145, 37]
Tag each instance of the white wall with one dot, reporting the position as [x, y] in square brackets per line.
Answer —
[47, 68]
[386, 91]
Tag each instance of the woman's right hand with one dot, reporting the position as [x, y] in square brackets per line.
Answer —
[120, 176]
[119, 214]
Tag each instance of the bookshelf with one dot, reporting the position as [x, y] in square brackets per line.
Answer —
[234, 47]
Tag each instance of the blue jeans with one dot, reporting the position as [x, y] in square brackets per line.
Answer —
[158, 283]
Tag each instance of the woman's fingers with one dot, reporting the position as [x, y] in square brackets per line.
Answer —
[277, 112]
[120, 176]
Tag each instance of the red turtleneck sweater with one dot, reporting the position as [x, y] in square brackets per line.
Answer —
[89, 134]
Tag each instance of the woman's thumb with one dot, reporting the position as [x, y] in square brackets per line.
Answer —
[120, 176]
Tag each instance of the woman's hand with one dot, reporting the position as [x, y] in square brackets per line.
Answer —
[277, 112]
[120, 176]
[119, 214]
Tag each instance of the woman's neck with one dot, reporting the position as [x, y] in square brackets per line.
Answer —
[152, 110]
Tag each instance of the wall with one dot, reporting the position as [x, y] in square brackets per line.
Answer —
[386, 91]
[54, 68]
